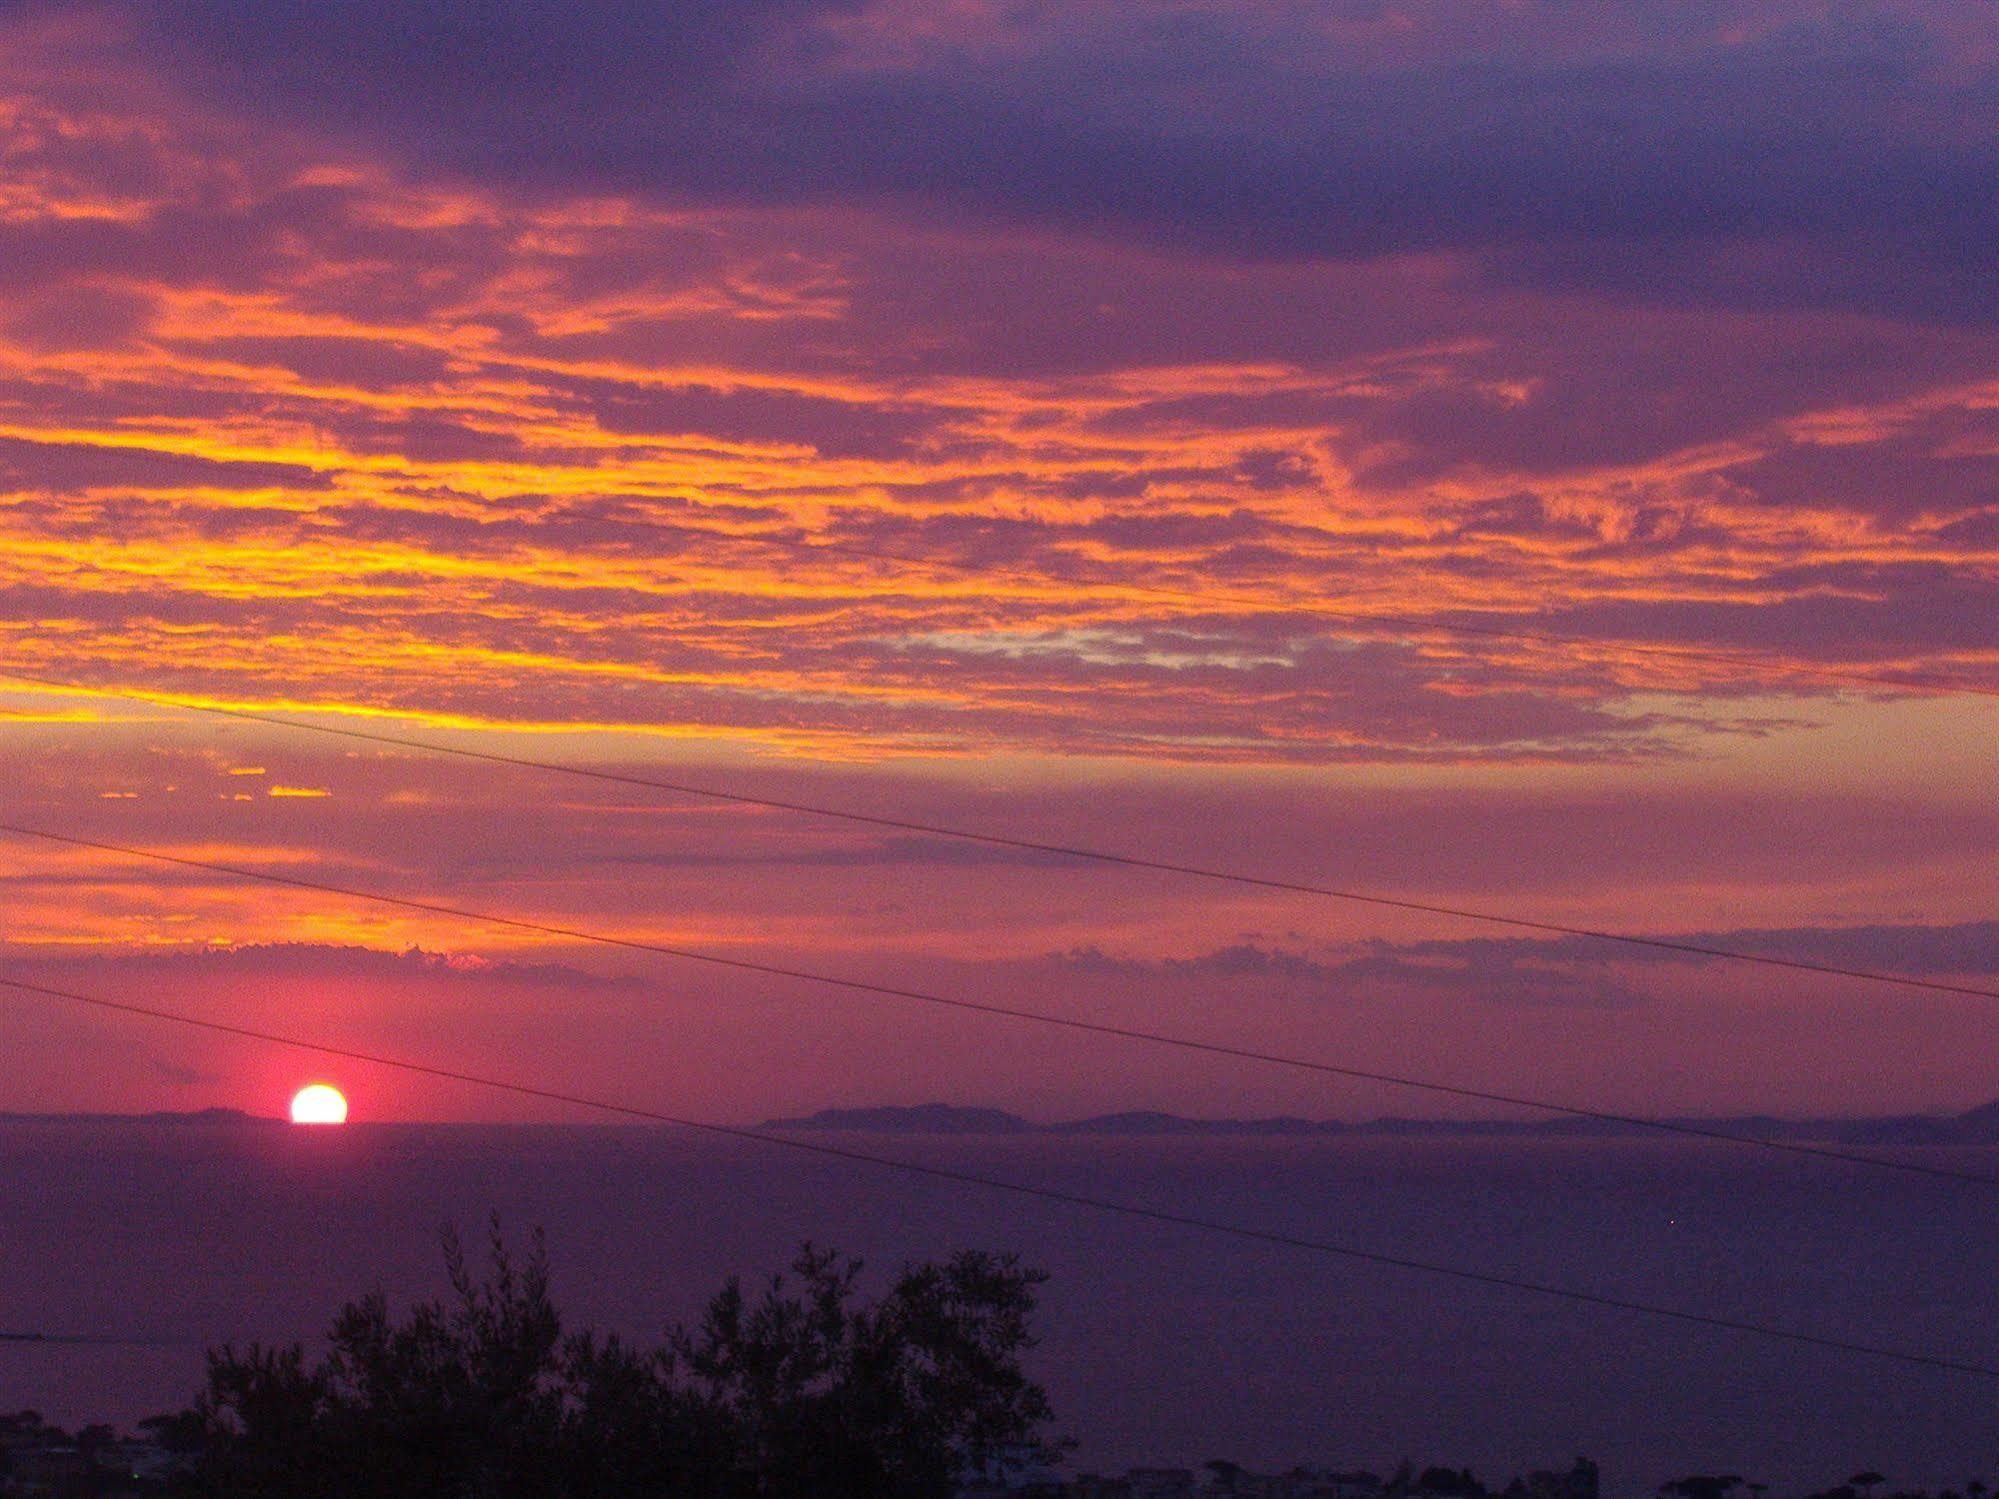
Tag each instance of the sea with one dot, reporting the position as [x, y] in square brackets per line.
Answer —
[1160, 1344]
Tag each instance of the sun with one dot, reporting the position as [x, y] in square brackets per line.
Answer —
[318, 1103]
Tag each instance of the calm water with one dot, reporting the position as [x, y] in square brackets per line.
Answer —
[1161, 1345]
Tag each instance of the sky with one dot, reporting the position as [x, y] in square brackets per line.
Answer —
[1109, 425]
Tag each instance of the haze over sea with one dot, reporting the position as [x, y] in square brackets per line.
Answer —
[1161, 1345]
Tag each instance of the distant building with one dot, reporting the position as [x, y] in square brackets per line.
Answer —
[129, 1457]
[1224, 1480]
[1582, 1481]
[46, 1472]
[23, 1429]
[1020, 1472]
[1709, 1486]
[40, 1461]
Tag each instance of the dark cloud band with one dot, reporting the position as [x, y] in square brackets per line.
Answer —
[1628, 166]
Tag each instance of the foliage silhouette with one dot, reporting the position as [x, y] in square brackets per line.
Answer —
[802, 1388]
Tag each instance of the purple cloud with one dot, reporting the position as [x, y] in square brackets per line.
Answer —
[1628, 156]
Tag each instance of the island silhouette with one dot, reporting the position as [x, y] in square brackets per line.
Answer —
[1977, 1126]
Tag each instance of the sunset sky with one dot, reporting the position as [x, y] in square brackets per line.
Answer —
[996, 414]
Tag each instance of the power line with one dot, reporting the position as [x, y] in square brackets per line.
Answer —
[1025, 845]
[1029, 1190]
[1008, 1012]
[1372, 619]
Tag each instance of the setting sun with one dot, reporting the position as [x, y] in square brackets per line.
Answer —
[319, 1104]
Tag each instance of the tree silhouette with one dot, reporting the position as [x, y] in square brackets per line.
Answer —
[459, 1398]
[805, 1388]
[1697, 1486]
[818, 1395]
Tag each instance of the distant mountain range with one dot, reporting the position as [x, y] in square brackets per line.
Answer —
[162, 1116]
[1979, 1126]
